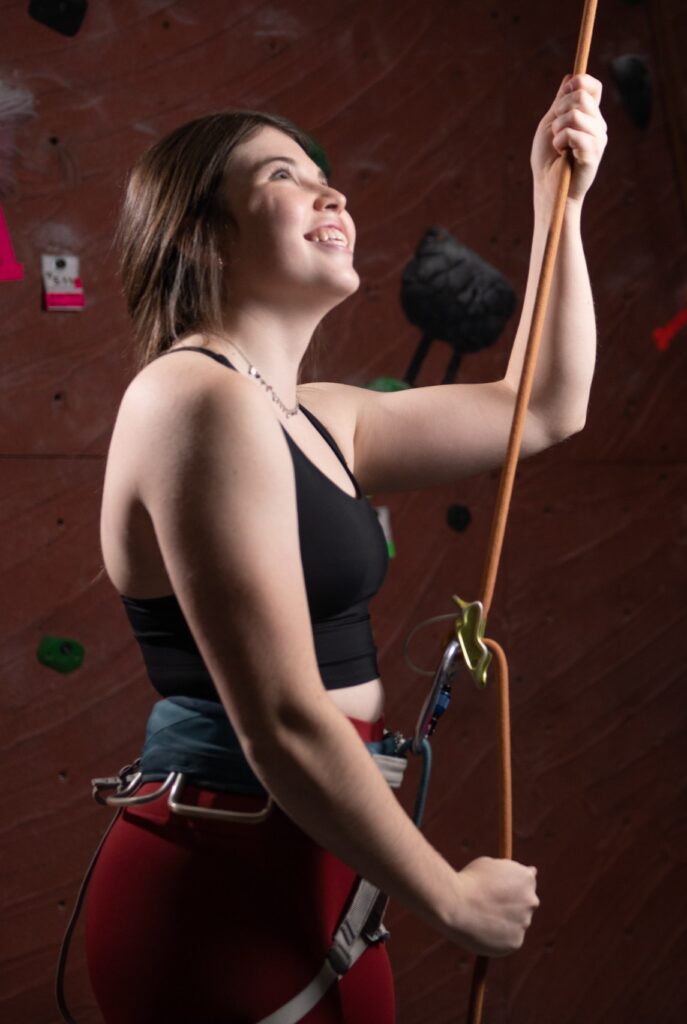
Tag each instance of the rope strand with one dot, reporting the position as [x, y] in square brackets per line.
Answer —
[498, 527]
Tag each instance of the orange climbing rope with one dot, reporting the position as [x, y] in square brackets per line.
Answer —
[478, 650]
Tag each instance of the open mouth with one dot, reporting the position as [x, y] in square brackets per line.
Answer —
[330, 244]
[330, 238]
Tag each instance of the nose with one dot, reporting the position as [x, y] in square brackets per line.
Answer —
[330, 198]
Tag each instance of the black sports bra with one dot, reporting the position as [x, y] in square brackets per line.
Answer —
[345, 560]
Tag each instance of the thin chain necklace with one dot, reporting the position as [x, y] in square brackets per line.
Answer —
[254, 372]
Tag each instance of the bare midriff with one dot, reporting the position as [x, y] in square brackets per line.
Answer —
[364, 701]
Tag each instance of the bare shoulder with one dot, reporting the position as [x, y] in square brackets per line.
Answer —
[188, 377]
[186, 382]
[341, 399]
[174, 408]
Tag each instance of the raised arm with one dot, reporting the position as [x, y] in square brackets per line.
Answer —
[217, 480]
[422, 437]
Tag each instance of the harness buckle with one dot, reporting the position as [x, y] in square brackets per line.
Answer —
[339, 958]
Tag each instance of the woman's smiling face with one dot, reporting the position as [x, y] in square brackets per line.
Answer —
[277, 196]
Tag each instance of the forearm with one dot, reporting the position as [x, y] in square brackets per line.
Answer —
[565, 365]
[322, 776]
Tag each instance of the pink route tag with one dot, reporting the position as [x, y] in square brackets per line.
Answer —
[10, 270]
[62, 285]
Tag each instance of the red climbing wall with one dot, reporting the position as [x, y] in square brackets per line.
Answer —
[427, 114]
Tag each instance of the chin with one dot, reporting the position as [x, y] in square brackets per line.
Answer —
[349, 287]
[338, 286]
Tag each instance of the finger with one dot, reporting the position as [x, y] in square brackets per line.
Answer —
[561, 87]
[586, 148]
[582, 102]
[585, 82]
[593, 125]
[576, 101]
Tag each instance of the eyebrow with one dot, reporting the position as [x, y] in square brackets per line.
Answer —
[286, 160]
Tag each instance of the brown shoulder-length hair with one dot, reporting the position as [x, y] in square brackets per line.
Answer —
[171, 224]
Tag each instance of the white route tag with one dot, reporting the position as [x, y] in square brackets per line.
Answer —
[62, 285]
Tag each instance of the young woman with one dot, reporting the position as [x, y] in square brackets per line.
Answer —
[235, 528]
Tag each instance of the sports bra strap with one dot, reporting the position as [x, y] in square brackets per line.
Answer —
[205, 351]
[320, 427]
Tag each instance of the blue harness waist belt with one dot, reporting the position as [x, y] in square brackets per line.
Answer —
[194, 737]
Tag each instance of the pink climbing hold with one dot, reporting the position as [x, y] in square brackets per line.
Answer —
[10, 270]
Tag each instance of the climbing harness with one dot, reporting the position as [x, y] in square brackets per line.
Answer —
[477, 650]
[190, 741]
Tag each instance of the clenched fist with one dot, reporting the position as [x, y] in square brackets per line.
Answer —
[496, 903]
[573, 122]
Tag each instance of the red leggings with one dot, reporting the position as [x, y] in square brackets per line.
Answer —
[190, 921]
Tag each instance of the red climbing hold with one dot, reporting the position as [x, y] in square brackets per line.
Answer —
[664, 335]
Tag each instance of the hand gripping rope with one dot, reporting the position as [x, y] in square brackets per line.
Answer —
[478, 651]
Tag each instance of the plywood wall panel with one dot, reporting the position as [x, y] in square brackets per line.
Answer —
[427, 116]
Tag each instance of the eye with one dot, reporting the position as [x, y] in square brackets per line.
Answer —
[286, 170]
[281, 170]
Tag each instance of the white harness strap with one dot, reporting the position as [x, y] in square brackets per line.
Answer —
[350, 942]
[296, 1008]
[361, 927]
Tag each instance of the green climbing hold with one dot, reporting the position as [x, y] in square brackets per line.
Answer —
[60, 653]
[318, 156]
[387, 384]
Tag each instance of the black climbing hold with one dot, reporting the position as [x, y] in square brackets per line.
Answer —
[453, 295]
[633, 79]
[64, 16]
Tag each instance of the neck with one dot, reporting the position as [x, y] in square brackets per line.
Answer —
[274, 343]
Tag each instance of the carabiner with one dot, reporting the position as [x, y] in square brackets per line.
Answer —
[124, 796]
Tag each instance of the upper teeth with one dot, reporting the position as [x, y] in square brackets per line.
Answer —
[328, 235]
